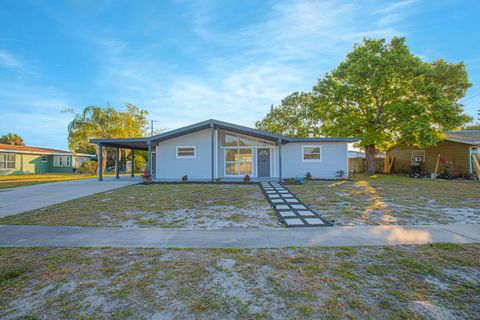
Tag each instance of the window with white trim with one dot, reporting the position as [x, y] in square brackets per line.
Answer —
[7, 161]
[312, 153]
[186, 152]
[61, 161]
[44, 159]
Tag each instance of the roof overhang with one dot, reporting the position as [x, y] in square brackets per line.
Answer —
[142, 143]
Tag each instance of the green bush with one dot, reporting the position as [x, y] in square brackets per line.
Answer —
[88, 167]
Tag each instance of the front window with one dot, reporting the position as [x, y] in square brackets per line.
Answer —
[238, 161]
[7, 161]
[312, 153]
[61, 161]
[186, 152]
[44, 159]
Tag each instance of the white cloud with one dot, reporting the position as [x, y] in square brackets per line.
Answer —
[296, 43]
[9, 60]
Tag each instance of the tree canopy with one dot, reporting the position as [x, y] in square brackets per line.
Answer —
[382, 94]
[293, 117]
[12, 138]
[385, 95]
[475, 126]
[98, 122]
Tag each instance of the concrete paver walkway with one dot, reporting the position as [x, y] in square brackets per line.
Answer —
[29, 236]
[289, 209]
[21, 199]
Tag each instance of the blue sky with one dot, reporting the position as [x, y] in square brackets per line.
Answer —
[187, 61]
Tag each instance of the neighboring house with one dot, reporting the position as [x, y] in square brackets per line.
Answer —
[215, 149]
[27, 160]
[455, 152]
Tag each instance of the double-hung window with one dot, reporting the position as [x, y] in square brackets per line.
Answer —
[312, 153]
[7, 161]
[186, 152]
[61, 161]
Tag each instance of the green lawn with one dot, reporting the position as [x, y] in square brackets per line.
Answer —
[393, 199]
[15, 181]
[160, 205]
[403, 282]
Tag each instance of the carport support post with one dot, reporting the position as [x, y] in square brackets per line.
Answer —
[117, 169]
[150, 165]
[280, 159]
[100, 162]
[132, 162]
[212, 130]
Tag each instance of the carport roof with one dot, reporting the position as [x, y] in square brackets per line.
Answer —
[142, 143]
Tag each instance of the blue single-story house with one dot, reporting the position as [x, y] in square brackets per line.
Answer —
[215, 149]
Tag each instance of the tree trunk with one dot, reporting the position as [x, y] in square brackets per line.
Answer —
[370, 158]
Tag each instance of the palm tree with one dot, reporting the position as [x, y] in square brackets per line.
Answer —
[13, 139]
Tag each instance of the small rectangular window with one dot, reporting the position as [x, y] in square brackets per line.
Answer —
[44, 159]
[186, 152]
[312, 153]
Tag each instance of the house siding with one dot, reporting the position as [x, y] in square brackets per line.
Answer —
[454, 153]
[170, 168]
[33, 164]
[334, 158]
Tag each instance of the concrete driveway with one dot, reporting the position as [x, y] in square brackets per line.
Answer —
[18, 200]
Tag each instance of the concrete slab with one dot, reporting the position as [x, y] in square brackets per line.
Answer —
[31, 236]
[18, 200]
[294, 222]
[314, 221]
[287, 213]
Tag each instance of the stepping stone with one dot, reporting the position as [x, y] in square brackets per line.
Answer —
[277, 200]
[285, 191]
[287, 195]
[287, 213]
[298, 206]
[306, 213]
[292, 200]
[273, 196]
[294, 222]
[282, 207]
[270, 192]
[314, 221]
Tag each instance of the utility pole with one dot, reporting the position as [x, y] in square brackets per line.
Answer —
[151, 126]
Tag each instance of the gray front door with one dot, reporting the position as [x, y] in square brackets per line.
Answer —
[263, 162]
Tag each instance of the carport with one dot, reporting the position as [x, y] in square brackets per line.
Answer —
[133, 144]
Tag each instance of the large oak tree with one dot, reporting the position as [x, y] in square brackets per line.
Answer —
[293, 117]
[385, 95]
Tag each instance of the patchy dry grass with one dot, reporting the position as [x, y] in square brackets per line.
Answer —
[160, 205]
[405, 282]
[390, 199]
[23, 180]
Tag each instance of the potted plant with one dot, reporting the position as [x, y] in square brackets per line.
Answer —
[308, 176]
[185, 178]
[246, 178]
[147, 177]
